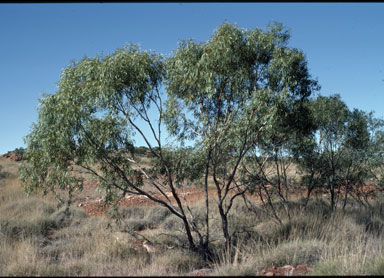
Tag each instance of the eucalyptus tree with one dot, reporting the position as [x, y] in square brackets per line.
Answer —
[343, 152]
[226, 94]
[223, 95]
[363, 156]
[89, 123]
[331, 117]
[271, 164]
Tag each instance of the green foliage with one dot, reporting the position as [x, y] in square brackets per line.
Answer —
[141, 150]
[343, 151]
[187, 164]
[86, 121]
[233, 93]
[19, 151]
[234, 82]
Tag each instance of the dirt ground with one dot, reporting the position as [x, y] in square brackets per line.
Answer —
[91, 201]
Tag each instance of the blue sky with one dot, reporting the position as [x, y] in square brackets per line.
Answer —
[343, 43]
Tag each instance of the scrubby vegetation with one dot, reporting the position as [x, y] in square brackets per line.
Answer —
[39, 239]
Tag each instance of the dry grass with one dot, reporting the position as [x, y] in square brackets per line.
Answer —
[37, 239]
[333, 245]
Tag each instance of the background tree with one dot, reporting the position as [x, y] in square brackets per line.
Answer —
[331, 118]
[363, 156]
[342, 152]
[271, 163]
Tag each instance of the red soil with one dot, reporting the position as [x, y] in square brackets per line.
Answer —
[93, 205]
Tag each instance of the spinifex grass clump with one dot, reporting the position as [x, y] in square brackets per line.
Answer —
[26, 218]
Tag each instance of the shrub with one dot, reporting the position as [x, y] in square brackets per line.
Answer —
[138, 224]
[121, 251]
[273, 233]
[15, 229]
[3, 174]
[294, 253]
[63, 218]
[19, 151]
[133, 212]
[141, 150]
[171, 223]
[178, 261]
[27, 208]
[156, 215]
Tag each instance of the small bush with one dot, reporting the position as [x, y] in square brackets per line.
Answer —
[139, 224]
[3, 174]
[294, 253]
[172, 223]
[273, 233]
[28, 208]
[16, 229]
[122, 251]
[63, 218]
[134, 212]
[141, 150]
[328, 268]
[19, 151]
[156, 215]
[139, 218]
[178, 261]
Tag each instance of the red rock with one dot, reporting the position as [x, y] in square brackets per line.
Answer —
[200, 272]
[301, 267]
[287, 267]
[288, 270]
[12, 156]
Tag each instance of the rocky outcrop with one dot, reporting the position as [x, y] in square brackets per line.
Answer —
[13, 156]
[286, 270]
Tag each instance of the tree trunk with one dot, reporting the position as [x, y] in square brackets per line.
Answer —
[309, 191]
[224, 223]
[206, 242]
[345, 196]
[332, 192]
[191, 242]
